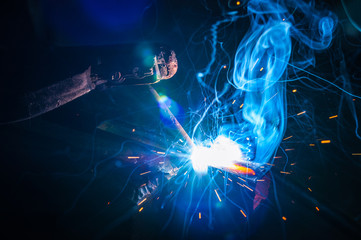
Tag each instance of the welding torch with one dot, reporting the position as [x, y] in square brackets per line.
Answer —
[138, 66]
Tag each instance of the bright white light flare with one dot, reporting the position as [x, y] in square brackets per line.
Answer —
[222, 153]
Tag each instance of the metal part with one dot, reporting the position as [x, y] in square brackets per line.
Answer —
[165, 66]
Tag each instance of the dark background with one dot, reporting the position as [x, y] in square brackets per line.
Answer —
[48, 163]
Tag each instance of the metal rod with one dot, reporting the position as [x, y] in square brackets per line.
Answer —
[172, 117]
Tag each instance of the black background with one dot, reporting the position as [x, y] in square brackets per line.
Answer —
[46, 162]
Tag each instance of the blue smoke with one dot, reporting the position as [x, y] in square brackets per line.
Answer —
[263, 61]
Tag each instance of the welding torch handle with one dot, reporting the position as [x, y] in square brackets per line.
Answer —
[56, 95]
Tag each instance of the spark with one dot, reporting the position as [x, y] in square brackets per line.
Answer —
[238, 3]
[133, 130]
[285, 172]
[141, 209]
[217, 195]
[284, 218]
[356, 154]
[243, 214]
[309, 189]
[145, 173]
[294, 90]
[140, 203]
[312, 145]
[317, 209]
[289, 149]
[248, 187]
[133, 157]
[335, 116]
[276, 157]
[287, 138]
[162, 153]
[325, 141]
[242, 179]
[298, 114]
[241, 106]
[234, 101]
[261, 69]
[199, 215]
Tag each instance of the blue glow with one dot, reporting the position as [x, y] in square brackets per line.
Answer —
[262, 63]
[200, 75]
[260, 69]
[262, 58]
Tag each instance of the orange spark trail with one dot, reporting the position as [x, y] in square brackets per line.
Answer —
[217, 195]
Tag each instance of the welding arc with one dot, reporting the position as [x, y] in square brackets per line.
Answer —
[238, 169]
